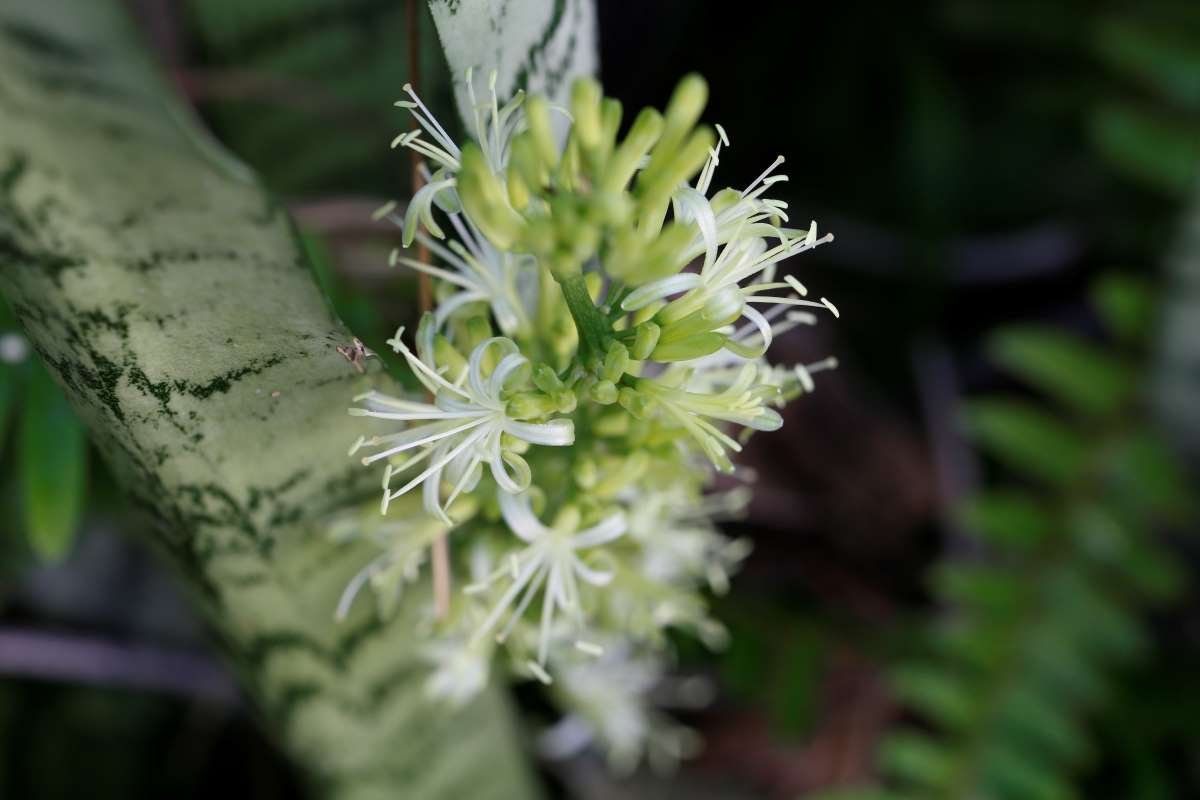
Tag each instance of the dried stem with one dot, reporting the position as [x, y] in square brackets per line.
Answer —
[441, 550]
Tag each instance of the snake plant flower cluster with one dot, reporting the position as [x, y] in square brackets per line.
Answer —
[596, 354]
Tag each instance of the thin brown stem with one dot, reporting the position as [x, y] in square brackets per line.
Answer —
[440, 555]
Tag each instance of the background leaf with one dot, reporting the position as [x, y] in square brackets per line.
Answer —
[53, 458]
[1027, 440]
[1065, 366]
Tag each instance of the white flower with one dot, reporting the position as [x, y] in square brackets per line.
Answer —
[743, 402]
[460, 669]
[464, 428]
[549, 563]
[610, 706]
[678, 538]
[508, 282]
[403, 539]
[494, 127]
[732, 229]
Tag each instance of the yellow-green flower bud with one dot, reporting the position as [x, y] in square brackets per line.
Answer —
[585, 109]
[683, 111]
[624, 162]
[537, 118]
[485, 198]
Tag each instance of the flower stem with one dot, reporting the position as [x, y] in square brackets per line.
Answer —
[592, 326]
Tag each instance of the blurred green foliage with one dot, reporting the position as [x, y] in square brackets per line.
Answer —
[48, 446]
[303, 89]
[1069, 552]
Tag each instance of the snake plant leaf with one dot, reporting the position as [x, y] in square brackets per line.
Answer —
[166, 293]
[1028, 440]
[1077, 373]
[536, 45]
[53, 466]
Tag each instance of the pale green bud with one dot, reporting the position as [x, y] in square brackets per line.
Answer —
[624, 162]
[585, 109]
[687, 103]
[530, 405]
[633, 402]
[585, 473]
[448, 356]
[645, 341]
[485, 198]
[604, 392]
[616, 362]
[546, 379]
[701, 344]
[537, 118]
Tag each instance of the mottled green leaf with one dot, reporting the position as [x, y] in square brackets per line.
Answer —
[53, 459]
[166, 291]
[536, 45]
[1075, 372]
[1027, 440]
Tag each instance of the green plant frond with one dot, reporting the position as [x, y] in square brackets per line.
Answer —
[1028, 440]
[1040, 622]
[1077, 373]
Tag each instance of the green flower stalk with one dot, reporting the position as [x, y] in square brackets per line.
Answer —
[602, 320]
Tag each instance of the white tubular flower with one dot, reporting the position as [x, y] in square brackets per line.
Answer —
[716, 291]
[549, 563]
[460, 431]
[507, 282]
[743, 402]
[494, 126]
[732, 233]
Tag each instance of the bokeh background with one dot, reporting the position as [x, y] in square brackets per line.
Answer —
[993, 497]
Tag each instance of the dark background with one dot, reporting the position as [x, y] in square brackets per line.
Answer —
[981, 163]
